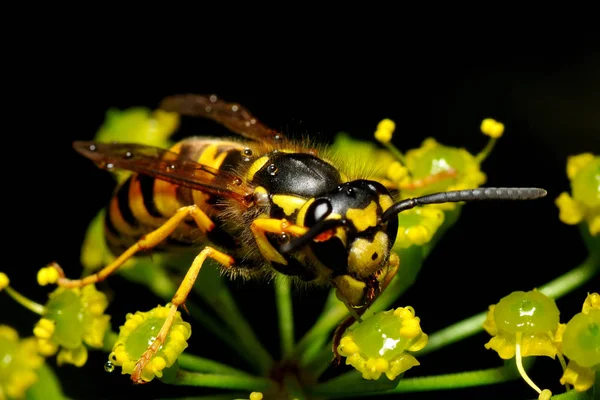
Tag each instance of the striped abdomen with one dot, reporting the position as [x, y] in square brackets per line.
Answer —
[142, 203]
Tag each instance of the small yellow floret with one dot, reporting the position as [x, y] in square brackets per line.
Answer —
[47, 275]
[4, 281]
[591, 301]
[581, 378]
[570, 211]
[575, 163]
[545, 395]
[44, 328]
[256, 396]
[492, 128]
[385, 130]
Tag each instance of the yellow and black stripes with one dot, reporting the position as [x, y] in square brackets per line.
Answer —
[143, 203]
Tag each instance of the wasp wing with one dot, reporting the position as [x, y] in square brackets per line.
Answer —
[165, 165]
[231, 115]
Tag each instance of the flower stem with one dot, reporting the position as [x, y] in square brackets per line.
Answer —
[216, 293]
[25, 302]
[519, 362]
[346, 386]
[185, 378]
[485, 152]
[554, 289]
[395, 152]
[324, 325]
[194, 363]
[285, 314]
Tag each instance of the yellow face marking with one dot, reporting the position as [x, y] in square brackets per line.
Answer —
[363, 218]
[385, 201]
[256, 165]
[365, 257]
[289, 204]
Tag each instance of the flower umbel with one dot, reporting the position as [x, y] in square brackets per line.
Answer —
[19, 361]
[581, 344]
[381, 344]
[523, 324]
[140, 329]
[73, 320]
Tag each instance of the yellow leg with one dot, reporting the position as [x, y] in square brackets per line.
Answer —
[178, 299]
[261, 226]
[148, 241]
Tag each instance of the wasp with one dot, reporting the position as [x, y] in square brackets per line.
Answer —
[259, 204]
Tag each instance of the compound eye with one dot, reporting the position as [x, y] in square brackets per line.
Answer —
[317, 211]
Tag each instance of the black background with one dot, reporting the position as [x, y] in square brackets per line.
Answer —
[546, 93]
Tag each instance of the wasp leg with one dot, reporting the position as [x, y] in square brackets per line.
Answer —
[147, 242]
[261, 226]
[178, 299]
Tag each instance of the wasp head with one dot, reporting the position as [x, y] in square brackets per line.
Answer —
[348, 236]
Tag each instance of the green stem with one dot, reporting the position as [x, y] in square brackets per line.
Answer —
[219, 297]
[258, 384]
[395, 152]
[572, 279]
[554, 289]
[194, 363]
[324, 325]
[347, 386]
[485, 152]
[293, 387]
[285, 314]
[25, 302]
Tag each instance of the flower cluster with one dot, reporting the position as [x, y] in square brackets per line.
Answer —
[382, 343]
[19, 362]
[526, 324]
[73, 320]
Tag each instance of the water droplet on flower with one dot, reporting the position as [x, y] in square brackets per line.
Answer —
[109, 366]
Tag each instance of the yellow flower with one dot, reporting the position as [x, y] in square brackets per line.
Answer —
[435, 167]
[580, 342]
[72, 321]
[19, 362]
[524, 324]
[583, 204]
[417, 226]
[138, 332]
[381, 344]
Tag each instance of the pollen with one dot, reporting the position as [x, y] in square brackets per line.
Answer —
[385, 130]
[256, 396]
[47, 276]
[492, 128]
[4, 281]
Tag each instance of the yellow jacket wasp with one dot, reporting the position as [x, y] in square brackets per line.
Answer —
[259, 205]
